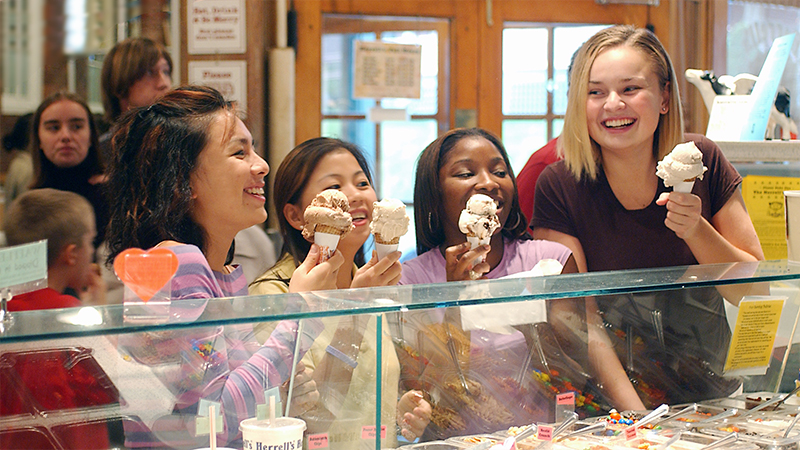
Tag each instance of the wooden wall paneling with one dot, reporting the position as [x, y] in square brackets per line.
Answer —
[258, 28]
[465, 62]
[490, 51]
[308, 80]
[152, 19]
[254, 56]
[429, 8]
[55, 62]
[571, 11]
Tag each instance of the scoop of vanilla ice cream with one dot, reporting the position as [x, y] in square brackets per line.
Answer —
[683, 163]
[389, 219]
[479, 218]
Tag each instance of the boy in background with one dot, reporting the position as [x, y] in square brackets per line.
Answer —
[66, 220]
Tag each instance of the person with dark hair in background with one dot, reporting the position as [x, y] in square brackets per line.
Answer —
[20, 168]
[135, 72]
[64, 149]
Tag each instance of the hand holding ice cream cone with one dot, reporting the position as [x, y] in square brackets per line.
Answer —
[479, 221]
[326, 220]
[389, 223]
[681, 167]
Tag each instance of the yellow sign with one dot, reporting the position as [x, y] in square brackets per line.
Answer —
[754, 336]
[763, 197]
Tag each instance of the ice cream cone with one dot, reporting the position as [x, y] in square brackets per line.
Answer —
[385, 249]
[328, 229]
[475, 242]
[684, 186]
[327, 244]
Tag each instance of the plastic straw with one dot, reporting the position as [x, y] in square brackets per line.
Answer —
[271, 410]
[212, 424]
[294, 366]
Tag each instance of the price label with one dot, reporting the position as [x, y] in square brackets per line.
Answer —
[368, 432]
[567, 398]
[317, 441]
[544, 433]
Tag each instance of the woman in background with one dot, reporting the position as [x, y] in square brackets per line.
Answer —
[64, 149]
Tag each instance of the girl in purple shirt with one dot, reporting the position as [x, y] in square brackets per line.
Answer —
[457, 165]
[186, 176]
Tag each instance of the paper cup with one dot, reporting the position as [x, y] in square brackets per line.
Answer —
[327, 243]
[792, 216]
[684, 187]
[385, 249]
[284, 433]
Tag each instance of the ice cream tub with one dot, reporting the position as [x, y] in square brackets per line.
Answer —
[282, 433]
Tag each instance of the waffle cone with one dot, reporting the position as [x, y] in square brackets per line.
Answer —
[328, 229]
[380, 240]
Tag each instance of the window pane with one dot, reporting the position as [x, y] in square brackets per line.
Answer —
[521, 138]
[525, 71]
[427, 104]
[337, 74]
[558, 125]
[567, 40]
[359, 132]
[401, 144]
[751, 29]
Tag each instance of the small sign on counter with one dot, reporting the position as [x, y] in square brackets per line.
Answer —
[754, 335]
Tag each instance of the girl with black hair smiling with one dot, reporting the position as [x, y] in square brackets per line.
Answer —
[187, 177]
[457, 165]
[310, 168]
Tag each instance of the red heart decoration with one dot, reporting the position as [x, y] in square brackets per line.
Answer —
[146, 272]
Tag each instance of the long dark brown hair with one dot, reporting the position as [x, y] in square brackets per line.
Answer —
[428, 200]
[291, 179]
[157, 149]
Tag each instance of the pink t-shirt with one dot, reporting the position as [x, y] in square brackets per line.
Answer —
[518, 256]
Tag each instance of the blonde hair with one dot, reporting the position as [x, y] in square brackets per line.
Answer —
[581, 153]
[61, 217]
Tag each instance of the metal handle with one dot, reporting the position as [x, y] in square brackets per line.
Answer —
[777, 400]
[733, 437]
[451, 347]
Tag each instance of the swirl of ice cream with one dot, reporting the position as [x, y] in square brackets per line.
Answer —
[684, 163]
[327, 213]
[389, 221]
[479, 219]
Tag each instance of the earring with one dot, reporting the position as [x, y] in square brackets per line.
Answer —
[664, 109]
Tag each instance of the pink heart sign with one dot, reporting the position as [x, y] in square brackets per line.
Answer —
[146, 272]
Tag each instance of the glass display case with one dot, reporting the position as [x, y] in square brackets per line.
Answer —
[485, 355]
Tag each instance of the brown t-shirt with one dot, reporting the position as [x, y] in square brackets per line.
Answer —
[615, 238]
[681, 365]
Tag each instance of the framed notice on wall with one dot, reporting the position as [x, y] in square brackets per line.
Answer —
[216, 27]
[228, 77]
[386, 70]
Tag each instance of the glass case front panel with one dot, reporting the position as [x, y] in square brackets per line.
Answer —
[481, 358]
